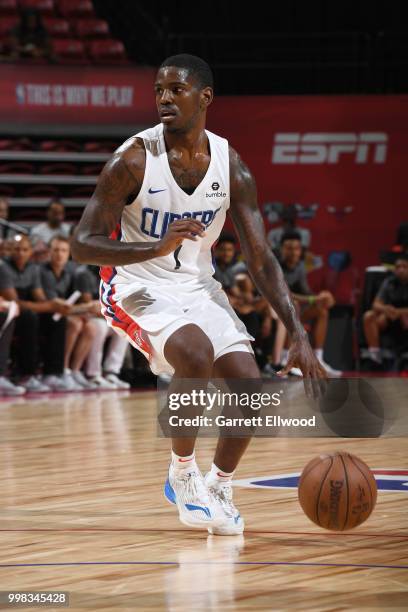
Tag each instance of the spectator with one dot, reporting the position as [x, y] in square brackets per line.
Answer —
[58, 281]
[313, 308]
[20, 282]
[8, 229]
[288, 218]
[107, 378]
[389, 310]
[251, 308]
[227, 265]
[4, 215]
[8, 312]
[6, 248]
[29, 39]
[54, 226]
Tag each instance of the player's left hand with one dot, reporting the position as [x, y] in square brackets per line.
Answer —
[302, 356]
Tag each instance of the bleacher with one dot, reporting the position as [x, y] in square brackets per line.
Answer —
[77, 35]
[33, 171]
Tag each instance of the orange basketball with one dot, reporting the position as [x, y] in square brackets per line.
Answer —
[337, 491]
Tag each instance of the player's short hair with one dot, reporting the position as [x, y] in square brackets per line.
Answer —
[290, 236]
[196, 66]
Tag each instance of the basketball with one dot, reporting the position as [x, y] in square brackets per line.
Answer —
[337, 491]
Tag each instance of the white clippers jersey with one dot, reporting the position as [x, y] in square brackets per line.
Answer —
[162, 201]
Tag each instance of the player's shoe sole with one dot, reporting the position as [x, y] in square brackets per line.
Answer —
[233, 525]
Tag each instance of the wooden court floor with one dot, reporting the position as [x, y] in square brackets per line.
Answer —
[82, 511]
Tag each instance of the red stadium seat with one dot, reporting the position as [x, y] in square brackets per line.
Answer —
[7, 23]
[101, 147]
[18, 144]
[85, 191]
[45, 7]
[17, 167]
[7, 191]
[66, 146]
[76, 8]
[41, 191]
[8, 7]
[107, 51]
[92, 169]
[57, 28]
[69, 50]
[92, 28]
[58, 168]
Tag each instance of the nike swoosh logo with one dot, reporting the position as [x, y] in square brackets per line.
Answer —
[156, 190]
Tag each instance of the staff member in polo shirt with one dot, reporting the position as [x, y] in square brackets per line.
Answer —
[20, 281]
[58, 278]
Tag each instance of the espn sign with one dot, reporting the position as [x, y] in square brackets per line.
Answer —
[326, 148]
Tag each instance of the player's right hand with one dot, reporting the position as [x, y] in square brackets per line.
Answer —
[182, 229]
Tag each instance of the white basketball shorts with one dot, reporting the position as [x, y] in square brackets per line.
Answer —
[149, 315]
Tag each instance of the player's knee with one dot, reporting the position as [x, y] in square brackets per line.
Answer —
[197, 359]
[190, 351]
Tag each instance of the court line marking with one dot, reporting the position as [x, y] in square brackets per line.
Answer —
[176, 563]
[189, 531]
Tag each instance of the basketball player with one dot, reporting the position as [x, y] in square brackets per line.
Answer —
[159, 206]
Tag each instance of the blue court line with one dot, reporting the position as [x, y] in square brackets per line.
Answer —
[176, 563]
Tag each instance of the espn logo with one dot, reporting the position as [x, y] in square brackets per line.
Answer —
[322, 148]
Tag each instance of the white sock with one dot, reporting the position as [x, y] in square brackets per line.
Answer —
[319, 354]
[284, 356]
[180, 464]
[216, 475]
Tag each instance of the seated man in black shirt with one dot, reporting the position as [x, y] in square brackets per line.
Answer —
[58, 278]
[20, 282]
[313, 308]
[390, 308]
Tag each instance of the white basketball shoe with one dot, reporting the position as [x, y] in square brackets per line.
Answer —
[233, 522]
[196, 505]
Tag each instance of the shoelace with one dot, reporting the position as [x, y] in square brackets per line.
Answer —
[224, 495]
[195, 486]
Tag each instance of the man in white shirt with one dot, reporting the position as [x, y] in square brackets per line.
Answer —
[54, 226]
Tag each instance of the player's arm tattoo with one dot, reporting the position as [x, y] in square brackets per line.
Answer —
[263, 266]
[119, 183]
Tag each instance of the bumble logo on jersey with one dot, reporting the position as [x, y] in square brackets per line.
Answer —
[215, 193]
[155, 222]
